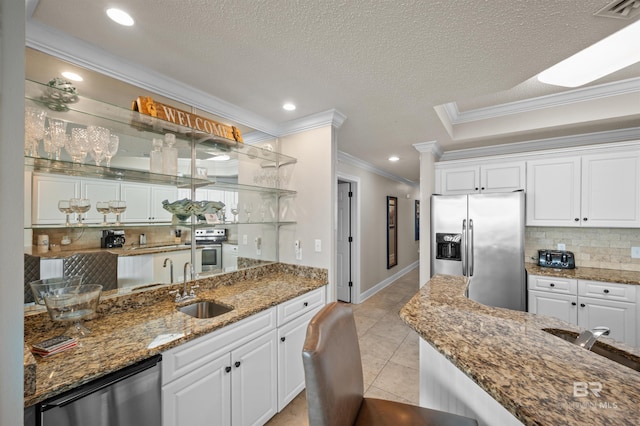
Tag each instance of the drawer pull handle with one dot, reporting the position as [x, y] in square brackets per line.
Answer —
[282, 339]
[237, 364]
[582, 305]
[552, 285]
[306, 304]
[573, 303]
[606, 290]
[227, 369]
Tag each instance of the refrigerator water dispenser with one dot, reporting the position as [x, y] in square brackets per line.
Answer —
[448, 246]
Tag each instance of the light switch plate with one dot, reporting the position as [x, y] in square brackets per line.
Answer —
[318, 246]
[562, 246]
[635, 252]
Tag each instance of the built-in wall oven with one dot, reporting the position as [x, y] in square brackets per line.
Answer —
[211, 239]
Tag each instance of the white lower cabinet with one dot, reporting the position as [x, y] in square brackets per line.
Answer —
[588, 304]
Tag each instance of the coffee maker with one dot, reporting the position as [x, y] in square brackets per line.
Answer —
[112, 238]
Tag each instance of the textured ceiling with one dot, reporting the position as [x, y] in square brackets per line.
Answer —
[384, 64]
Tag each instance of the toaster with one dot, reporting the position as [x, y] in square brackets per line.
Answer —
[556, 259]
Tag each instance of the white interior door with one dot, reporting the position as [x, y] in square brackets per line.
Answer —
[343, 257]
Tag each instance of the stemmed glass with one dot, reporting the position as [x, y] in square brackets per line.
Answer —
[58, 134]
[33, 129]
[79, 206]
[98, 139]
[117, 207]
[103, 207]
[65, 207]
[112, 148]
[234, 212]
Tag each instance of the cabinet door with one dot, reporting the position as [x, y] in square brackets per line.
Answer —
[611, 190]
[202, 397]
[46, 192]
[507, 177]
[254, 381]
[553, 192]
[460, 180]
[561, 306]
[620, 317]
[138, 198]
[290, 369]
[158, 195]
[99, 190]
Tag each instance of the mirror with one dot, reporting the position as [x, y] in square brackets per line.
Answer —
[248, 216]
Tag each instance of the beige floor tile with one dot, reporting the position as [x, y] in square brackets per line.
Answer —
[378, 346]
[375, 392]
[408, 352]
[364, 323]
[390, 327]
[399, 380]
[294, 414]
[371, 367]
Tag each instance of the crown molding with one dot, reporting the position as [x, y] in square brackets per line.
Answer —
[343, 157]
[432, 147]
[584, 94]
[332, 117]
[572, 141]
[86, 55]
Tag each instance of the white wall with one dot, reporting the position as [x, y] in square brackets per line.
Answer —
[12, 40]
[373, 190]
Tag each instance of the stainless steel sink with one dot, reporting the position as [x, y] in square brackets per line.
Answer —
[205, 309]
[602, 349]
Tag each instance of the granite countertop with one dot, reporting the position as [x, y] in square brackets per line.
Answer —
[507, 353]
[125, 328]
[592, 274]
[130, 250]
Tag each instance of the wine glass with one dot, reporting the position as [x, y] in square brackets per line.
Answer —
[78, 146]
[103, 207]
[79, 206]
[58, 133]
[98, 138]
[112, 148]
[234, 212]
[65, 207]
[247, 209]
[33, 129]
[117, 207]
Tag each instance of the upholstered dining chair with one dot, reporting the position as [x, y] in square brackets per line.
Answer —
[335, 388]
[31, 273]
[96, 268]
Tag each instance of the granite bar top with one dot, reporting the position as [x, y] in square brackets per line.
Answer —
[592, 274]
[130, 250]
[530, 372]
[127, 325]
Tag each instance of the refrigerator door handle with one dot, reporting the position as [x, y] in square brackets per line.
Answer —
[463, 254]
[470, 254]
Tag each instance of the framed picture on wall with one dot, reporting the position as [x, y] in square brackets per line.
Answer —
[417, 220]
[392, 232]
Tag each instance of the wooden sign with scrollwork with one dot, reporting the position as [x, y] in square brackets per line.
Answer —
[147, 106]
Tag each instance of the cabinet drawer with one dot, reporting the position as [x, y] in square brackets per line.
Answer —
[300, 305]
[180, 360]
[610, 291]
[556, 285]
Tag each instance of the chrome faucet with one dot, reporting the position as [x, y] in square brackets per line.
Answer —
[587, 338]
[164, 265]
[185, 295]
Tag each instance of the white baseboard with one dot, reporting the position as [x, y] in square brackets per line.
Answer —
[382, 284]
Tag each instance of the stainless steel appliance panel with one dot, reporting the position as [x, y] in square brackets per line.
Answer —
[447, 216]
[496, 250]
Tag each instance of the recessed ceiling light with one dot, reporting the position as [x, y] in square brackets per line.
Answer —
[120, 16]
[609, 55]
[394, 158]
[223, 157]
[72, 76]
[288, 106]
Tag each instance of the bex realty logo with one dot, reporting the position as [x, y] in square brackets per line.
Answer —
[582, 389]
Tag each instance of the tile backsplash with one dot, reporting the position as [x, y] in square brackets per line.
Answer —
[608, 248]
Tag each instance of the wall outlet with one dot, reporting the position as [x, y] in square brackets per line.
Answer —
[562, 246]
[298, 249]
[245, 239]
[318, 246]
[635, 252]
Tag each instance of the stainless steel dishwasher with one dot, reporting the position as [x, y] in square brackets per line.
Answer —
[128, 397]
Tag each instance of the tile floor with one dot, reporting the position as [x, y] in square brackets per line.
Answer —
[389, 351]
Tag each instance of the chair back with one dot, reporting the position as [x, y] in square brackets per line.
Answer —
[96, 268]
[31, 273]
[332, 367]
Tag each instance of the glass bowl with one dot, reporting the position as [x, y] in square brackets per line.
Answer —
[73, 304]
[51, 286]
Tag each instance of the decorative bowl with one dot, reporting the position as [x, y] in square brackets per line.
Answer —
[181, 208]
[52, 286]
[200, 208]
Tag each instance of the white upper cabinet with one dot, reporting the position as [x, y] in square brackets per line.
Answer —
[595, 190]
[484, 178]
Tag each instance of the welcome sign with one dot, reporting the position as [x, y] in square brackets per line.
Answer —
[147, 106]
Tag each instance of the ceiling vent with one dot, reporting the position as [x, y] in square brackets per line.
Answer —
[623, 9]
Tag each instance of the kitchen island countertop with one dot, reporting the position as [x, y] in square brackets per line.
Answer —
[528, 371]
[592, 274]
[122, 333]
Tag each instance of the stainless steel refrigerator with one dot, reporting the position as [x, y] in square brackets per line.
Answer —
[481, 236]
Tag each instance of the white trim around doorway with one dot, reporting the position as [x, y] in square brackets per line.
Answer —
[355, 232]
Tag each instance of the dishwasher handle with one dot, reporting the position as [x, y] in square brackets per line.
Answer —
[101, 383]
